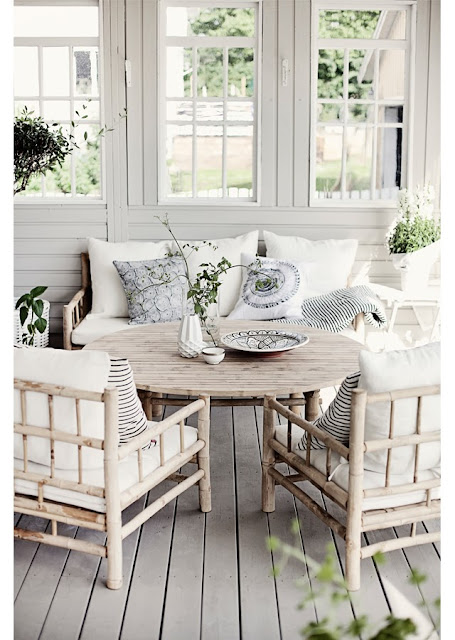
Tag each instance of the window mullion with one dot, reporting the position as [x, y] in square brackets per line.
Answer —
[345, 119]
[73, 164]
[375, 127]
[194, 149]
[225, 105]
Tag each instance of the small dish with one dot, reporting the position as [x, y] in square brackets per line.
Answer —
[264, 341]
[213, 355]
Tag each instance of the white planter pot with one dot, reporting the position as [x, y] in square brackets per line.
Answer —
[190, 343]
[415, 267]
[40, 339]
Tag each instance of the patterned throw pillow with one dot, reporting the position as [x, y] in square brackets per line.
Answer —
[131, 417]
[336, 421]
[154, 289]
[269, 292]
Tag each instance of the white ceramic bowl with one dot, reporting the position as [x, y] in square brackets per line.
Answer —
[213, 355]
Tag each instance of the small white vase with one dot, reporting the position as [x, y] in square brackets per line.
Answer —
[190, 343]
[415, 267]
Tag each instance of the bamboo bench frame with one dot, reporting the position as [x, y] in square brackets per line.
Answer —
[357, 520]
[116, 501]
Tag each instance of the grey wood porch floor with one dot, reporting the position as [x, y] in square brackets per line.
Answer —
[189, 575]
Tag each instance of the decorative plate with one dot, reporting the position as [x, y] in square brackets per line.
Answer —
[264, 340]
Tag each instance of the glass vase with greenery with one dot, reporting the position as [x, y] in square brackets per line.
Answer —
[415, 227]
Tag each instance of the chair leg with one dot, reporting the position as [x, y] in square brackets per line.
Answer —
[353, 562]
[203, 456]
[268, 460]
[114, 556]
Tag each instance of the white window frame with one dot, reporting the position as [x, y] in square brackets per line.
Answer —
[70, 42]
[408, 45]
[218, 42]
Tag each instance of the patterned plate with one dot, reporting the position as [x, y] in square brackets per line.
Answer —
[264, 340]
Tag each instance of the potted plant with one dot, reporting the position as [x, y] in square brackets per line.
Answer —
[414, 238]
[32, 322]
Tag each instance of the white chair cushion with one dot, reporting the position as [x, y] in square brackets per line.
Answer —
[128, 472]
[371, 479]
[392, 370]
[88, 370]
[328, 262]
[109, 296]
[95, 326]
[231, 249]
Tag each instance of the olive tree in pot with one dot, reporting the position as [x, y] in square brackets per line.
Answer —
[414, 238]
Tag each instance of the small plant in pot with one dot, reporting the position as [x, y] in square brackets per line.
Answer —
[414, 238]
[31, 311]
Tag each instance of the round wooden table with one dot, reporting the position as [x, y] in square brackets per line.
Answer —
[152, 352]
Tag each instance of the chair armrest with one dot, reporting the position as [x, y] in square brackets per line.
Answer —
[73, 314]
[143, 438]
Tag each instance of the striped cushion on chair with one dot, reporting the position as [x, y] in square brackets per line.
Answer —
[131, 417]
[336, 421]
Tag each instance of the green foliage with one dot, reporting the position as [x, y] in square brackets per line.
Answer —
[29, 304]
[38, 148]
[325, 581]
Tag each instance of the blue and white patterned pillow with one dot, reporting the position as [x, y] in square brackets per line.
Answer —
[154, 289]
[269, 292]
[336, 420]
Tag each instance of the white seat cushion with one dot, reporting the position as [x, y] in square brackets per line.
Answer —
[95, 326]
[128, 472]
[371, 479]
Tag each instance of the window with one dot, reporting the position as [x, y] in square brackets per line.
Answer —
[57, 76]
[360, 84]
[209, 101]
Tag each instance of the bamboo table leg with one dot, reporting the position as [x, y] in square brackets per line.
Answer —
[268, 459]
[296, 409]
[157, 409]
[312, 405]
[151, 409]
[203, 456]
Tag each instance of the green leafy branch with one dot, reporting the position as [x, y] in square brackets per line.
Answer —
[31, 305]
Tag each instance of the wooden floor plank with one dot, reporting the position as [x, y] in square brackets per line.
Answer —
[259, 613]
[146, 597]
[106, 607]
[73, 592]
[220, 603]
[35, 597]
[433, 526]
[25, 550]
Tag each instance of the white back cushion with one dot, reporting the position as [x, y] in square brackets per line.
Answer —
[109, 297]
[389, 371]
[231, 249]
[87, 370]
[329, 262]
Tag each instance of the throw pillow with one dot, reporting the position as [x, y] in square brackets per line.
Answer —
[336, 420]
[390, 371]
[273, 291]
[229, 248]
[329, 262]
[149, 300]
[108, 295]
[132, 420]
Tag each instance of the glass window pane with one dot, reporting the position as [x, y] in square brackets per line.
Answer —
[360, 113]
[56, 110]
[89, 108]
[361, 70]
[179, 72]
[239, 162]
[342, 23]
[87, 161]
[391, 75]
[26, 71]
[32, 107]
[34, 189]
[240, 111]
[179, 160]
[241, 72]
[329, 141]
[56, 71]
[209, 111]
[390, 113]
[359, 156]
[189, 21]
[330, 113]
[176, 110]
[209, 161]
[210, 72]
[389, 155]
[330, 73]
[58, 181]
[85, 69]
[57, 21]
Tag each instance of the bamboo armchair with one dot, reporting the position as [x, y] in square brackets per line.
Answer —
[108, 518]
[358, 518]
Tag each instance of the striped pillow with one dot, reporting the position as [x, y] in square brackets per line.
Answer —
[131, 417]
[336, 421]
